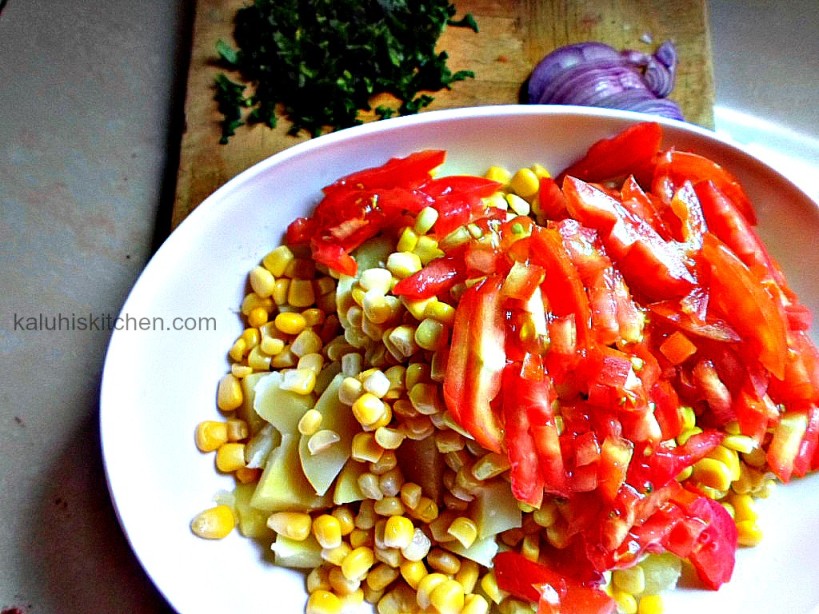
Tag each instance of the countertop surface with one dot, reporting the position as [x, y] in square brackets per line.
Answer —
[90, 115]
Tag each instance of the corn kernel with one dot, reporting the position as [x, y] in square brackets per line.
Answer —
[340, 585]
[210, 435]
[322, 440]
[257, 316]
[334, 556]
[240, 371]
[626, 603]
[230, 457]
[388, 506]
[413, 572]
[323, 602]
[489, 585]
[744, 507]
[475, 604]
[306, 342]
[262, 281]
[301, 293]
[357, 563]
[524, 183]
[739, 443]
[368, 409]
[748, 533]
[447, 597]
[229, 393]
[290, 322]
[468, 575]
[425, 587]
[237, 429]
[381, 576]
[293, 525]
[712, 473]
[403, 264]
[377, 279]
[389, 438]
[464, 530]
[650, 604]
[365, 448]
[499, 174]
[238, 349]
[327, 531]
[214, 523]
[407, 240]
[300, 381]
[418, 548]
[277, 260]
[280, 292]
[444, 561]
[517, 204]
[310, 422]
[425, 220]
[318, 579]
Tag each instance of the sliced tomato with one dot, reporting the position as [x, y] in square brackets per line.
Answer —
[476, 361]
[685, 205]
[438, 276]
[654, 468]
[410, 171]
[630, 152]
[786, 442]
[809, 444]
[551, 201]
[675, 167]
[714, 553]
[745, 304]
[655, 267]
[677, 348]
[526, 579]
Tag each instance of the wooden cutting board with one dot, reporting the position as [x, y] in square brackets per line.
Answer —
[513, 36]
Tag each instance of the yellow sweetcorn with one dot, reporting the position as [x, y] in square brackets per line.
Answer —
[748, 533]
[230, 457]
[214, 523]
[650, 604]
[290, 322]
[357, 563]
[229, 393]
[626, 602]
[323, 602]
[278, 260]
[499, 174]
[327, 531]
[425, 220]
[524, 183]
[447, 597]
[630, 580]
[293, 525]
[713, 474]
[425, 587]
[210, 435]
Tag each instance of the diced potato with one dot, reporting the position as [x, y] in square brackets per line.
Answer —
[482, 551]
[246, 412]
[323, 467]
[281, 408]
[297, 554]
[347, 489]
[662, 571]
[252, 522]
[282, 486]
[495, 509]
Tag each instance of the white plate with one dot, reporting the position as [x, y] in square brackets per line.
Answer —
[159, 383]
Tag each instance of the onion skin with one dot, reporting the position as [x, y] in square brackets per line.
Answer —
[597, 75]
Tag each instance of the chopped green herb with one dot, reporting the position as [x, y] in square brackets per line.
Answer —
[318, 62]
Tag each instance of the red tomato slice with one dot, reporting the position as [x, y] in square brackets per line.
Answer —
[476, 361]
[655, 267]
[411, 171]
[630, 152]
[714, 552]
[745, 304]
[438, 276]
[675, 167]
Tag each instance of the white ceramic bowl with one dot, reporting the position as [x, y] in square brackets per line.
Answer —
[159, 383]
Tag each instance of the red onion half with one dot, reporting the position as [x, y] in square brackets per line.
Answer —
[597, 75]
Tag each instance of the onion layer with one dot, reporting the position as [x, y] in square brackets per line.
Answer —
[597, 75]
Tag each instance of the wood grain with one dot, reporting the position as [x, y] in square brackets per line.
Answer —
[514, 35]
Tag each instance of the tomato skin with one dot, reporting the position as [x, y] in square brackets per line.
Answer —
[409, 171]
[674, 167]
[630, 152]
[713, 554]
[476, 361]
[745, 304]
[438, 276]
[655, 267]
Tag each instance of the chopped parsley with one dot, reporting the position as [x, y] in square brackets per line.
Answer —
[318, 62]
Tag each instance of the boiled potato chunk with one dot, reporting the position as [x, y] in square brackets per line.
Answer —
[322, 467]
[281, 408]
[282, 486]
[297, 554]
[482, 551]
[496, 509]
[246, 411]
[347, 489]
[252, 522]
